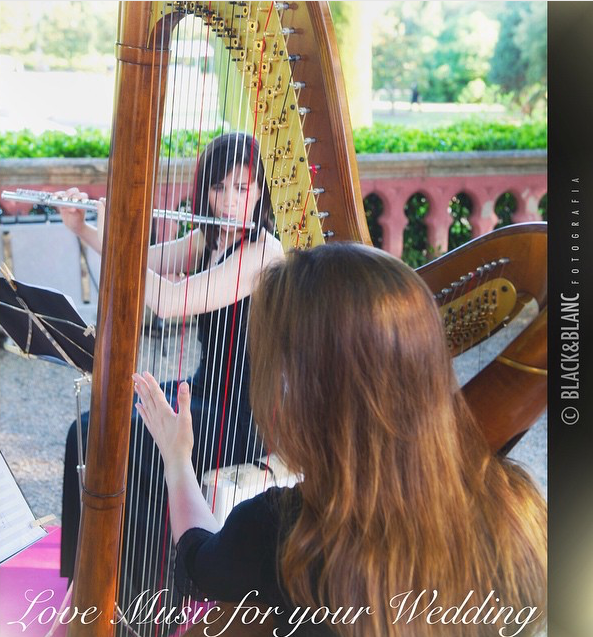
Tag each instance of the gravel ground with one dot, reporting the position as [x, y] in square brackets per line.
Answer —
[37, 405]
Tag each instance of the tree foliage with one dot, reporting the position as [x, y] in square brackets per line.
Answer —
[462, 51]
[59, 35]
[508, 68]
[440, 45]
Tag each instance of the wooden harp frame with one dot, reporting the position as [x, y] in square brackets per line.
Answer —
[142, 52]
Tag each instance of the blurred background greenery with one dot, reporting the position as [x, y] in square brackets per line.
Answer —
[421, 76]
[486, 54]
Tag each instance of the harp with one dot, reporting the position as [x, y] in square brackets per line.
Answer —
[480, 288]
[288, 69]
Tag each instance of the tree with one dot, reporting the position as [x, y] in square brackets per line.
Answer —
[519, 64]
[531, 39]
[508, 69]
[58, 34]
[391, 68]
[64, 31]
[463, 50]
[443, 46]
[404, 42]
[17, 28]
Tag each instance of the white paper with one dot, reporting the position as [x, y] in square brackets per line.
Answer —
[17, 528]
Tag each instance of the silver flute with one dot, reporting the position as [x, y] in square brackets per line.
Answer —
[51, 199]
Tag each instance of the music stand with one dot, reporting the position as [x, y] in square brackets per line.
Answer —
[44, 324]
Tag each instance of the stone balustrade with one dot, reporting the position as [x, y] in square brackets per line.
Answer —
[394, 178]
[482, 176]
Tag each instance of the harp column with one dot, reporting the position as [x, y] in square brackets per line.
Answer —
[142, 57]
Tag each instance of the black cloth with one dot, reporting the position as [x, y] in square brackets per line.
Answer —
[243, 557]
[234, 434]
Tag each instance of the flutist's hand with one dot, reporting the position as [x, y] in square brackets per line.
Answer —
[74, 218]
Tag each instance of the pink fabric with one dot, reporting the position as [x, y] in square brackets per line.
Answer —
[35, 572]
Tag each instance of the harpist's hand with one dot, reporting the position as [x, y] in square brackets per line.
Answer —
[172, 432]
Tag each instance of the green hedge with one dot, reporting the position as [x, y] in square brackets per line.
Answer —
[87, 142]
[467, 135]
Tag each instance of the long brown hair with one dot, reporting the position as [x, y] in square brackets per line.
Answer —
[353, 387]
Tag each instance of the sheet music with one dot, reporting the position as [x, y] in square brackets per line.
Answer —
[16, 531]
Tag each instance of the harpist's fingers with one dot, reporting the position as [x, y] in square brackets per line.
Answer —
[183, 400]
[144, 415]
[156, 393]
[145, 394]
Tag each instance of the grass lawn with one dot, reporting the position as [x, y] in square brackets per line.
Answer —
[429, 115]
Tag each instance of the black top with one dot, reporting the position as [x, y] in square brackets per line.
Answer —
[215, 329]
[243, 557]
[223, 337]
[222, 330]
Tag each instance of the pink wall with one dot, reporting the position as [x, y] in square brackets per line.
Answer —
[442, 176]
[483, 191]
[483, 176]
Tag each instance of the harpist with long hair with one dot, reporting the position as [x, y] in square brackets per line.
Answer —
[402, 512]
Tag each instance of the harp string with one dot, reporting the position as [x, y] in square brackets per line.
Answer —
[165, 565]
[239, 372]
[294, 124]
[265, 149]
[244, 220]
[188, 267]
[152, 559]
[139, 433]
[165, 555]
[238, 376]
[164, 568]
[233, 324]
[214, 332]
[214, 335]
[235, 364]
[165, 522]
